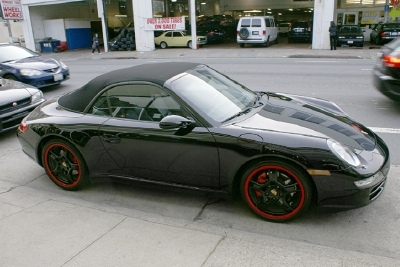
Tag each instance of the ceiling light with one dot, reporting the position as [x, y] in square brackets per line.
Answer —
[203, 3]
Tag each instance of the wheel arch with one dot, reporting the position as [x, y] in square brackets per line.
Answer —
[235, 186]
[46, 139]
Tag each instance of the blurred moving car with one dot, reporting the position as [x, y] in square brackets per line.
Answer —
[350, 35]
[386, 74]
[300, 31]
[16, 101]
[21, 64]
[385, 32]
[214, 34]
[283, 28]
[187, 125]
[177, 39]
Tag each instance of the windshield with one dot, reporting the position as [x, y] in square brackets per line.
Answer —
[212, 94]
[11, 53]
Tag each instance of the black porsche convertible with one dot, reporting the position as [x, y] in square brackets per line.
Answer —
[187, 125]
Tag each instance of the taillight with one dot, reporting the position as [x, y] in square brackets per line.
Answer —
[383, 34]
[23, 126]
[264, 32]
[309, 29]
[391, 61]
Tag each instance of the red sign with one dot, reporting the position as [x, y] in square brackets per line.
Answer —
[394, 2]
[169, 23]
[11, 9]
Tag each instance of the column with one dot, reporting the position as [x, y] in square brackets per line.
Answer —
[323, 14]
[142, 10]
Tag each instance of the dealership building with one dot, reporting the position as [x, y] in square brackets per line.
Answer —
[76, 21]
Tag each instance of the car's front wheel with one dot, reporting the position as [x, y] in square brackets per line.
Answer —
[163, 45]
[65, 165]
[276, 191]
[189, 44]
[10, 77]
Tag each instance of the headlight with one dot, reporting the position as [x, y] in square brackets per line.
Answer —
[341, 37]
[63, 65]
[37, 96]
[343, 153]
[360, 37]
[30, 72]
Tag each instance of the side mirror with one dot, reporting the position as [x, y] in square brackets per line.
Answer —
[175, 121]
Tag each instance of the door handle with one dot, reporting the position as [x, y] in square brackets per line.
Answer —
[110, 138]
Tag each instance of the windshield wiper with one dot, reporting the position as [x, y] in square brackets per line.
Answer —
[240, 113]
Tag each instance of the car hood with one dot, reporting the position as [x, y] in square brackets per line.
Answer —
[41, 63]
[310, 117]
[11, 91]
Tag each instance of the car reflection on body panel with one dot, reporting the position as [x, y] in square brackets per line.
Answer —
[186, 125]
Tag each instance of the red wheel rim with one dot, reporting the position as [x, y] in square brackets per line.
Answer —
[264, 189]
[62, 165]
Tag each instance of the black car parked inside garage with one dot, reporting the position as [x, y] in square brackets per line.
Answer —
[385, 32]
[300, 31]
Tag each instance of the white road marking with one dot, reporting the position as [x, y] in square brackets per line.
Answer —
[385, 130]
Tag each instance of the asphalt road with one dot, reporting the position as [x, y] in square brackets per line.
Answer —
[368, 236]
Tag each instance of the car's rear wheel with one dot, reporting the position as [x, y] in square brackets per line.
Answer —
[277, 40]
[276, 191]
[10, 77]
[244, 33]
[242, 45]
[163, 45]
[64, 165]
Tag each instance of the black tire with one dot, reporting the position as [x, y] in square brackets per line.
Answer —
[65, 165]
[244, 33]
[10, 77]
[163, 45]
[377, 41]
[189, 44]
[277, 40]
[290, 40]
[276, 190]
[267, 42]
[242, 45]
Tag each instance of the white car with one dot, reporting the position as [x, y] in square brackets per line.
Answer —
[178, 38]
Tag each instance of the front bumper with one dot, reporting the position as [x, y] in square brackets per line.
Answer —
[12, 119]
[350, 42]
[338, 193]
[47, 79]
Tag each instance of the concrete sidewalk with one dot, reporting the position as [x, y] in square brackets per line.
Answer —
[298, 50]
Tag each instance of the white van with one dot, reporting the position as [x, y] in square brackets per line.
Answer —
[257, 30]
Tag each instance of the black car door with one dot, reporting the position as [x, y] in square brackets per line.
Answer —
[133, 138]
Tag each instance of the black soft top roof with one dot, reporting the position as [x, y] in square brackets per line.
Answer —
[157, 73]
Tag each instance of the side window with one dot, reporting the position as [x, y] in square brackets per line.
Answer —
[256, 23]
[246, 22]
[177, 34]
[168, 34]
[267, 23]
[137, 102]
[272, 23]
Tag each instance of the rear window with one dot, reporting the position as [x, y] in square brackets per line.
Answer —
[256, 23]
[300, 24]
[246, 22]
[391, 26]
